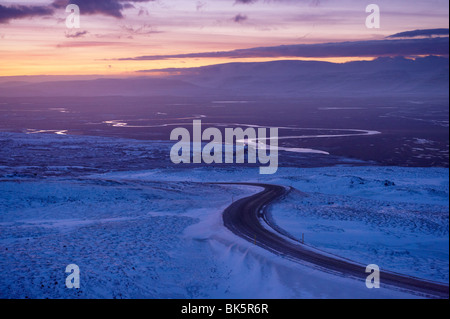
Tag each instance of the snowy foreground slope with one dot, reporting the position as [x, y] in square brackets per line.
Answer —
[158, 233]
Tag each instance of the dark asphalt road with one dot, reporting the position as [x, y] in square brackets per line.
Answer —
[245, 217]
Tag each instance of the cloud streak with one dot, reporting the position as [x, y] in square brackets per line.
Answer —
[372, 48]
[420, 33]
[87, 44]
[76, 34]
[313, 3]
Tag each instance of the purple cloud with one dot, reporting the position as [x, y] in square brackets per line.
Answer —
[245, 1]
[106, 7]
[240, 18]
[20, 12]
[112, 8]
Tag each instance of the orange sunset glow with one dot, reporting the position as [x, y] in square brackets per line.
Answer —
[107, 41]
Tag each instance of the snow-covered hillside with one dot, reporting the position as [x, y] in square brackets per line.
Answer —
[158, 232]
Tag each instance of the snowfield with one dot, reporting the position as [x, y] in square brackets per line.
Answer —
[157, 232]
[125, 237]
[375, 225]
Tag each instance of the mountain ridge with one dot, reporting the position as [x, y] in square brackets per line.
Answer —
[285, 78]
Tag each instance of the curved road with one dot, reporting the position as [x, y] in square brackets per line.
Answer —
[246, 216]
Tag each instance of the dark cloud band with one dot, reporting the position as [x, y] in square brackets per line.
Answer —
[112, 8]
[374, 48]
[21, 12]
[420, 33]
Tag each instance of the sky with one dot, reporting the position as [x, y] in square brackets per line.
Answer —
[121, 37]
